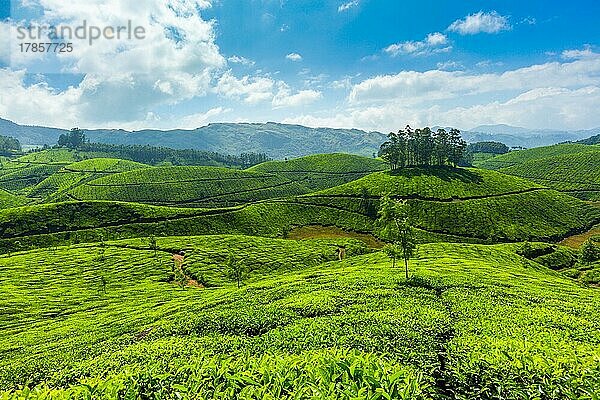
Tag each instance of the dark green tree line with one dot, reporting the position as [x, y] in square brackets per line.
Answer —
[76, 139]
[9, 144]
[423, 147]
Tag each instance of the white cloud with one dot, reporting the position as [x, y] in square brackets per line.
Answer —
[294, 57]
[241, 60]
[450, 65]
[347, 6]
[249, 89]
[413, 86]
[586, 52]
[552, 95]
[285, 98]
[198, 120]
[551, 108]
[37, 104]
[433, 43]
[480, 22]
[123, 79]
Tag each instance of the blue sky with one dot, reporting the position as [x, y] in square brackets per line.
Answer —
[369, 64]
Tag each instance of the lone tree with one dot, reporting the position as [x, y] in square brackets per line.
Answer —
[151, 240]
[395, 228]
[590, 251]
[235, 270]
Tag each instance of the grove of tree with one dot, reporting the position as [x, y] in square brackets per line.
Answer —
[423, 147]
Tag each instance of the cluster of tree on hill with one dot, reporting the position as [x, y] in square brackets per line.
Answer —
[423, 147]
[8, 145]
[76, 139]
[488, 147]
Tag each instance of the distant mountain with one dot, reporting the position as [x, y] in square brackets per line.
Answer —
[277, 140]
[282, 140]
[591, 140]
[29, 135]
[516, 136]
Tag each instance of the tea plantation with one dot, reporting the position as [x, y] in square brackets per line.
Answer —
[576, 174]
[283, 290]
[473, 322]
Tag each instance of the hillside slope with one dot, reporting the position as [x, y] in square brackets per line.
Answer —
[81, 172]
[577, 174]
[521, 156]
[322, 171]
[444, 204]
[469, 203]
[187, 186]
[474, 320]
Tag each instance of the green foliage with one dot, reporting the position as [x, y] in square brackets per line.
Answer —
[435, 183]
[9, 200]
[590, 251]
[322, 171]
[422, 147]
[488, 147]
[73, 175]
[393, 220]
[187, 186]
[469, 204]
[537, 153]
[393, 251]
[163, 155]
[9, 145]
[73, 139]
[576, 174]
[347, 329]
[235, 269]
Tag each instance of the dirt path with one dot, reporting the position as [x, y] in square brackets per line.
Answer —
[576, 241]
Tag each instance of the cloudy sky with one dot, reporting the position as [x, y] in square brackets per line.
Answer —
[369, 64]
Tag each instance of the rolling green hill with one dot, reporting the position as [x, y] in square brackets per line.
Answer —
[521, 156]
[9, 200]
[577, 174]
[20, 175]
[79, 173]
[458, 205]
[187, 186]
[435, 183]
[474, 321]
[468, 203]
[323, 171]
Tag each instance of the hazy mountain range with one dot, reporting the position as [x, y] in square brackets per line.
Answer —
[515, 136]
[280, 140]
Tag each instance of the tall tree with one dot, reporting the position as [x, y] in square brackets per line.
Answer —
[442, 146]
[396, 229]
[421, 147]
[457, 147]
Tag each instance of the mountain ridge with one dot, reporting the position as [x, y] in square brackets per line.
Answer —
[278, 140]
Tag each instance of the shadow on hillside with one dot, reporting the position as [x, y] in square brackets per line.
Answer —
[444, 173]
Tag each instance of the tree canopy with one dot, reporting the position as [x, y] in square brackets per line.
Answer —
[9, 144]
[423, 147]
[73, 139]
[488, 147]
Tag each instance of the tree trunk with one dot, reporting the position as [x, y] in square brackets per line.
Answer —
[406, 267]
[393, 262]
